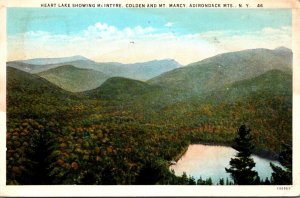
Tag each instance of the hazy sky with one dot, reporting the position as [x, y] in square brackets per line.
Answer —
[135, 35]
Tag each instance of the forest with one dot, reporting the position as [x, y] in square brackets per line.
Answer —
[127, 131]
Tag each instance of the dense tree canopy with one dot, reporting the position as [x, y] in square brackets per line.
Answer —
[76, 139]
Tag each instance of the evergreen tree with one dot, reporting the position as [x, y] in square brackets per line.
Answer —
[151, 173]
[241, 166]
[283, 176]
[221, 181]
[38, 155]
[227, 181]
[208, 181]
[200, 181]
[192, 181]
[184, 180]
[267, 181]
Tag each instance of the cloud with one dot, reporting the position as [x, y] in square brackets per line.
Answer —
[169, 24]
[105, 43]
[105, 31]
[282, 30]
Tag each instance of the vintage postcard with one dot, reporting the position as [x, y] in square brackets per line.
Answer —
[149, 98]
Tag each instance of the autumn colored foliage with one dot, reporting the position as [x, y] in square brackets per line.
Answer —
[58, 137]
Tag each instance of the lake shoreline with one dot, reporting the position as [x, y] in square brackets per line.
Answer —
[258, 152]
[177, 157]
[209, 160]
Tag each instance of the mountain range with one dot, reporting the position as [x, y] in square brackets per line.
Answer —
[66, 118]
[258, 77]
[52, 61]
[227, 68]
[139, 71]
[77, 73]
[74, 79]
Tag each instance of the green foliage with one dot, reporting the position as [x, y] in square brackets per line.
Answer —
[118, 88]
[29, 146]
[221, 182]
[283, 176]
[74, 79]
[241, 166]
[127, 132]
[200, 77]
[150, 173]
[200, 181]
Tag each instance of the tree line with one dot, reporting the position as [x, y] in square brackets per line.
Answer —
[241, 166]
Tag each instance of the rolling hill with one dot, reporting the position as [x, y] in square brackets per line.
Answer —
[217, 71]
[51, 61]
[19, 81]
[139, 71]
[267, 86]
[270, 84]
[264, 103]
[124, 128]
[39, 65]
[29, 95]
[74, 79]
[27, 67]
[120, 88]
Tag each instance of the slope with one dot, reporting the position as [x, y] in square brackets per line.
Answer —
[264, 103]
[120, 88]
[51, 61]
[26, 67]
[74, 79]
[29, 95]
[139, 71]
[270, 84]
[39, 65]
[214, 72]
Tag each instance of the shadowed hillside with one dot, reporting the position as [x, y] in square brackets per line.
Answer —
[223, 69]
[264, 102]
[19, 81]
[127, 131]
[74, 79]
[139, 71]
[120, 88]
[270, 84]
[51, 61]
[30, 95]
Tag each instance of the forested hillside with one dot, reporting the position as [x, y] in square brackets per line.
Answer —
[74, 79]
[126, 131]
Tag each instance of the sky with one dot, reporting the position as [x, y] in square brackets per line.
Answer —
[137, 35]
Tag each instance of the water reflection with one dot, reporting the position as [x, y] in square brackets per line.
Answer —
[210, 161]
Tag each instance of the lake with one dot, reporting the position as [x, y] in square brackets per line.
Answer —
[210, 161]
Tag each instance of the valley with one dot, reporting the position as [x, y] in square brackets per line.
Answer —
[83, 122]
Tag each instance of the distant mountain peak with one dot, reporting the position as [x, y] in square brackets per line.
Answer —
[48, 61]
[167, 60]
[119, 87]
[74, 79]
[229, 67]
[80, 57]
[282, 48]
[64, 67]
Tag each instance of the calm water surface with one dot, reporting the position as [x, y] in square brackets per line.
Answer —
[210, 161]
